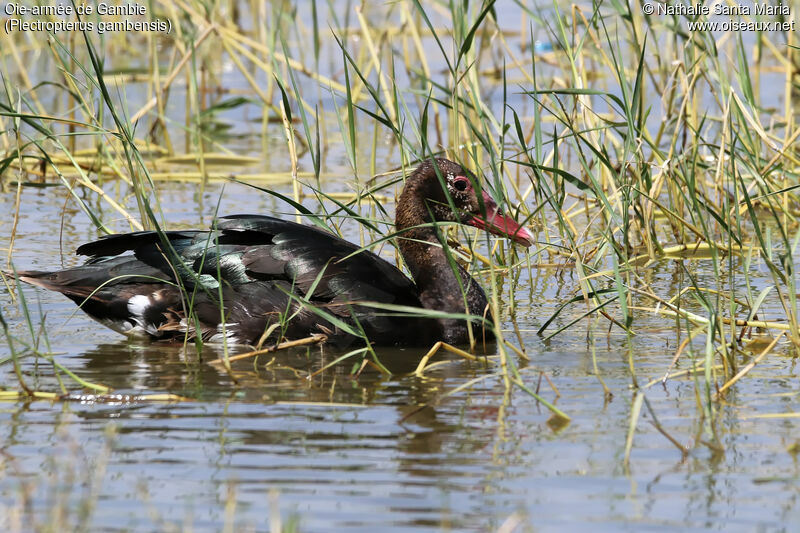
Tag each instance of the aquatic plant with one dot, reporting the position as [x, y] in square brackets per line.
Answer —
[626, 145]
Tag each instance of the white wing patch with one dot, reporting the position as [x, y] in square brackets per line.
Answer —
[137, 307]
[137, 324]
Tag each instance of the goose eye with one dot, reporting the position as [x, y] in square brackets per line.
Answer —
[461, 184]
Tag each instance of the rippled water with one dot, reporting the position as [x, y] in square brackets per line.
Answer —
[455, 449]
[450, 450]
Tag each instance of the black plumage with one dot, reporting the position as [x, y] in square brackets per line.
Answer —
[252, 277]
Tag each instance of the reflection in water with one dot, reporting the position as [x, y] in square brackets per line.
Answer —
[454, 450]
[400, 452]
[393, 443]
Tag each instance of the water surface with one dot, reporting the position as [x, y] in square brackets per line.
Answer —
[283, 440]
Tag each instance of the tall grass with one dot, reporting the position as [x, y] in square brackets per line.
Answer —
[625, 143]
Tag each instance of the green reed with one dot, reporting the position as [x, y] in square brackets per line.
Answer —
[626, 145]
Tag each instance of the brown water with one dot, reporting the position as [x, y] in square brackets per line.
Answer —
[453, 450]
